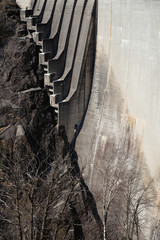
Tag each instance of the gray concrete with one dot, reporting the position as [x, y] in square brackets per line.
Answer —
[50, 28]
[64, 81]
[49, 45]
[48, 11]
[64, 31]
[43, 28]
[73, 38]
[38, 12]
[81, 49]
[38, 7]
[57, 18]
[72, 105]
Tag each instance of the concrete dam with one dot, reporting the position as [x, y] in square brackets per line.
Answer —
[65, 32]
[101, 61]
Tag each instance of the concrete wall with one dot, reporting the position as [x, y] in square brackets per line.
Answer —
[76, 103]
[128, 54]
[125, 94]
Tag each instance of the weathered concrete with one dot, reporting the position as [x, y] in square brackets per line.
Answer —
[38, 7]
[38, 11]
[43, 28]
[81, 49]
[61, 86]
[125, 92]
[73, 39]
[72, 104]
[62, 41]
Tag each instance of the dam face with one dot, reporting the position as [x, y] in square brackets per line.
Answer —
[126, 85]
[124, 107]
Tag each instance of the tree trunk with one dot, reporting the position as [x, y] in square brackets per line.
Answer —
[18, 215]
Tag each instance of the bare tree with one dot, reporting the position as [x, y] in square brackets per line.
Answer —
[138, 203]
[127, 195]
[35, 197]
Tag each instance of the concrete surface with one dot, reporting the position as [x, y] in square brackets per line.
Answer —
[38, 7]
[81, 49]
[73, 39]
[48, 11]
[63, 36]
[126, 89]
[72, 104]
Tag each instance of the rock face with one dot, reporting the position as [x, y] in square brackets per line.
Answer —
[22, 103]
